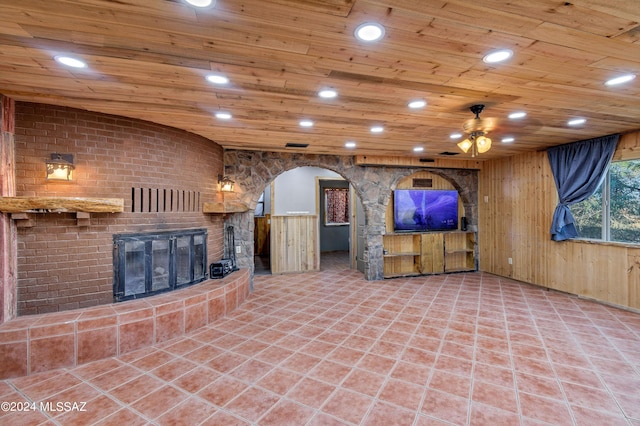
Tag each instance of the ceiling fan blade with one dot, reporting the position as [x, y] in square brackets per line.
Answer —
[479, 125]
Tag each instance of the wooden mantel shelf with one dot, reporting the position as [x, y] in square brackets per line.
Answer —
[60, 205]
[226, 207]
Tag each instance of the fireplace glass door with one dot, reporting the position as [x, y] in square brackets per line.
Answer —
[151, 263]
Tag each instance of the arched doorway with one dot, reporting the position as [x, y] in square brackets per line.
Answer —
[305, 221]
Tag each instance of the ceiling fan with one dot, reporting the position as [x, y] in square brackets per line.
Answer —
[477, 128]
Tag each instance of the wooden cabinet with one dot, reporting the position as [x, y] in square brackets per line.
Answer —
[428, 253]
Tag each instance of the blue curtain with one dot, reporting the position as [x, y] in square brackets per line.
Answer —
[578, 169]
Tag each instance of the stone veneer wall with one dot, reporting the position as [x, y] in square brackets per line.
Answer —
[253, 171]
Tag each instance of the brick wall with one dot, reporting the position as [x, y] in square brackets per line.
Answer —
[65, 264]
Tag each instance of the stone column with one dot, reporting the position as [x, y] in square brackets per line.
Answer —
[8, 233]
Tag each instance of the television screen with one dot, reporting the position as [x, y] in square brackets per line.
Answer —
[425, 210]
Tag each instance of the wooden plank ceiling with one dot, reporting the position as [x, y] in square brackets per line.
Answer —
[149, 59]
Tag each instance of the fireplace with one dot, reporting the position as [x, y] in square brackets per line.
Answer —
[152, 263]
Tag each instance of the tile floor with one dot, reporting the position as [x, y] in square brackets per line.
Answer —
[329, 348]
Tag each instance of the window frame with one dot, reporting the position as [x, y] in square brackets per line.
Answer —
[605, 235]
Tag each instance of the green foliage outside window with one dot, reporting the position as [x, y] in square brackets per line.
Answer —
[613, 212]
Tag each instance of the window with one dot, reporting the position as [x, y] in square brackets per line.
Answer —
[613, 212]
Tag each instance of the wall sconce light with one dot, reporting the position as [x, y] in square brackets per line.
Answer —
[60, 167]
[226, 184]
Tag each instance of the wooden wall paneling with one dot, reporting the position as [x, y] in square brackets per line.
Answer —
[294, 244]
[517, 198]
[628, 147]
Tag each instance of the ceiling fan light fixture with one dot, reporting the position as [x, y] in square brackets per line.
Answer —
[497, 56]
[483, 144]
[465, 145]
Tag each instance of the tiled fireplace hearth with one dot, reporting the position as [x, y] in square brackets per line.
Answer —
[38, 343]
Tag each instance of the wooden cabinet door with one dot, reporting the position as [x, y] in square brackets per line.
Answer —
[432, 254]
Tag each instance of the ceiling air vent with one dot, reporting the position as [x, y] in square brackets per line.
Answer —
[296, 145]
[449, 153]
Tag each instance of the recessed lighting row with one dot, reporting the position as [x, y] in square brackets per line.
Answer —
[502, 55]
[367, 32]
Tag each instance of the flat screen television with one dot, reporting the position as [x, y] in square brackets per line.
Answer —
[421, 210]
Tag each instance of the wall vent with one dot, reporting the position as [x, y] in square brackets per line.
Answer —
[422, 183]
[427, 160]
[296, 145]
[161, 200]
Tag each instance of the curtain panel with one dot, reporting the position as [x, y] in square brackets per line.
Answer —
[578, 170]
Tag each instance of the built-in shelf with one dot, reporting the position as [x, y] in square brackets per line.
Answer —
[407, 254]
[226, 207]
[61, 205]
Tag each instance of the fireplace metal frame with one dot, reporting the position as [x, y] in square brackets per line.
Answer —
[120, 261]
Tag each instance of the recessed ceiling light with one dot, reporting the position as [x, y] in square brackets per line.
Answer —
[455, 135]
[508, 139]
[201, 3]
[70, 62]
[306, 123]
[222, 115]
[327, 93]
[369, 31]
[418, 103]
[576, 121]
[498, 56]
[217, 79]
[350, 144]
[377, 129]
[418, 149]
[518, 114]
[620, 80]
